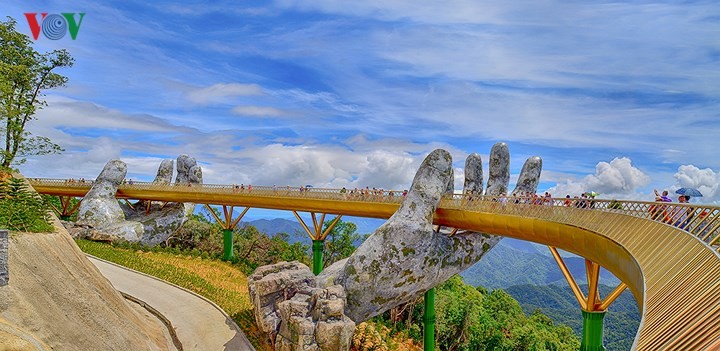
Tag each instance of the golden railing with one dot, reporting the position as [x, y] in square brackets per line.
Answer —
[666, 253]
[700, 220]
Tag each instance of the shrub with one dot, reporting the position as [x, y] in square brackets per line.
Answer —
[21, 210]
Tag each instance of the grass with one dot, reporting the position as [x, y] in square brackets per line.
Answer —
[218, 281]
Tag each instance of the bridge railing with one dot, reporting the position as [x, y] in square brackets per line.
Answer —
[698, 219]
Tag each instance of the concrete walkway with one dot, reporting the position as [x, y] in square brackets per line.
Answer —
[200, 324]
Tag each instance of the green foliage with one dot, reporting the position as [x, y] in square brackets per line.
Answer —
[251, 248]
[340, 242]
[24, 74]
[469, 318]
[21, 210]
[52, 201]
[558, 302]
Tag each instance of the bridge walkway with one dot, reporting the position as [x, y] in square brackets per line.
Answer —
[667, 254]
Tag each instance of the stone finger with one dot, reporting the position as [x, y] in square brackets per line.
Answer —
[529, 176]
[184, 164]
[499, 170]
[165, 172]
[473, 175]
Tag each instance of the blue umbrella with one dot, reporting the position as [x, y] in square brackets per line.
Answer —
[692, 192]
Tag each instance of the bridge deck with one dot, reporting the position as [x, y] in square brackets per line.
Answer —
[673, 273]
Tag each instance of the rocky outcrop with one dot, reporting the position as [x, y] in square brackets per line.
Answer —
[399, 262]
[100, 210]
[296, 313]
[57, 300]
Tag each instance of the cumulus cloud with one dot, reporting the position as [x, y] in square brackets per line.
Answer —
[220, 92]
[706, 180]
[616, 178]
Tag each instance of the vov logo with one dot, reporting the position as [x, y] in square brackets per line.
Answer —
[54, 26]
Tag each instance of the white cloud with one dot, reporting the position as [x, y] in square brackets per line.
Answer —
[258, 111]
[616, 179]
[218, 93]
[706, 180]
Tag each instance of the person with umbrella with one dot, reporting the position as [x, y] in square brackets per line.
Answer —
[683, 215]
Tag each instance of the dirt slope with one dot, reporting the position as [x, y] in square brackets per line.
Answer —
[56, 298]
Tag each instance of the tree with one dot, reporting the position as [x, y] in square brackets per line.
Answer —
[340, 242]
[24, 75]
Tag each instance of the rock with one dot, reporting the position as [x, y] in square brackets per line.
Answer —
[78, 231]
[273, 284]
[298, 315]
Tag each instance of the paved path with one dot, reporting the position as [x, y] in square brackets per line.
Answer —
[199, 324]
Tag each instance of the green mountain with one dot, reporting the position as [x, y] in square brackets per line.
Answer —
[558, 303]
[505, 265]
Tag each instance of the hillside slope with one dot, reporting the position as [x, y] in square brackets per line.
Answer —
[56, 299]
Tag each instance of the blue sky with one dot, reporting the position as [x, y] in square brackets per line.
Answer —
[616, 97]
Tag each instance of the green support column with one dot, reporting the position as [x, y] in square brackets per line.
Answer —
[317, 249]
[227, 244]
[429, 321]
[592, 337]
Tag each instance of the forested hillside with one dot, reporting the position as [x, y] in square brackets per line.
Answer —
[558, 302]
[505, 266]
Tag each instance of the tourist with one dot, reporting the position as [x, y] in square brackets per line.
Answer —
[682, 214]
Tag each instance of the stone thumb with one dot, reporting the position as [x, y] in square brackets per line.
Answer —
[428, 186]
[107, 182]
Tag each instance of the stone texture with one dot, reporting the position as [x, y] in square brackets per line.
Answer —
[101, 211]
[529, 176]
[499, 170]
[78, 231]
[399, 262]
[473, 175]
[297, 314]
[165, 172]
[99, 207]
[4, 270]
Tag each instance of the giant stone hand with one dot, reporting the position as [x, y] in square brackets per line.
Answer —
[137, 223]
[399, 262]
[405, 256]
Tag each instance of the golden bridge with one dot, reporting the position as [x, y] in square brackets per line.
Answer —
[667, 254]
